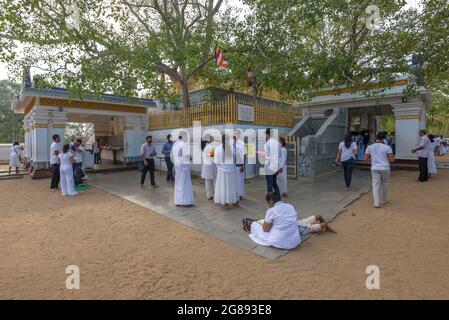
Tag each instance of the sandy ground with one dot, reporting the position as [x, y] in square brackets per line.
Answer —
[128, 252]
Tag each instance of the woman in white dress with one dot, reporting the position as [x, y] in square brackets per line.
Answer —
[225, 187]
[66, 160]
[431, 162]
[209, 169]
[282, 177]
[14, 158]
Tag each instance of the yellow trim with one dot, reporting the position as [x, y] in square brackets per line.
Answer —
[59, 126]
[29, 106]
[407, 117]
[39, 126]
[128, 128]
[91, 105]
[334, 92]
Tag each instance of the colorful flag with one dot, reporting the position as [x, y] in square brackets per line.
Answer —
[220, 59]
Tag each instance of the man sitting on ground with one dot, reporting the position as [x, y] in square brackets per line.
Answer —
[314, 224]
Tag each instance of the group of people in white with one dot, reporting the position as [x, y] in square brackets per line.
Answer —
[223, 169]
[66, 163]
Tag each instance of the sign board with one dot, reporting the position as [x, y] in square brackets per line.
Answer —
[246, 113]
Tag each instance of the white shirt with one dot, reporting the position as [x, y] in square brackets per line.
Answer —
[180, 153]
[15, 151]
[240, 149]
[379, 156]
[284, 232]
[283, 160]
[346, 153]
[79, 154]
[224, 162]
[207, 158]
[272, 155]
[65, 159]
[54, 147]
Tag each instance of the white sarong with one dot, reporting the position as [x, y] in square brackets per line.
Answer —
[183, 192]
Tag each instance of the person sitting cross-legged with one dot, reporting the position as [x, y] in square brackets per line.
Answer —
[280, 226]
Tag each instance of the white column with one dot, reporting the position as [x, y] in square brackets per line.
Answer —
[27, 129]
[40, 139]
[408, 120]
[132, 135]
[57, 124]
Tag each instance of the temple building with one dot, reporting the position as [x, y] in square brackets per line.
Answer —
[313, 130]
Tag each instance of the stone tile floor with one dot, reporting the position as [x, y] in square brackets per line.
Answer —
[326, 196]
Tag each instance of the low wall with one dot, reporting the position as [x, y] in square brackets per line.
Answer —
[160, 137]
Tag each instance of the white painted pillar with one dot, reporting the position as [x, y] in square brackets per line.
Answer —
[57, 124]
[40, 138]
[132, 138]
[27, 129]
[408, 120]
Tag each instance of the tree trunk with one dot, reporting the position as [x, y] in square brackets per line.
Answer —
[185, 94]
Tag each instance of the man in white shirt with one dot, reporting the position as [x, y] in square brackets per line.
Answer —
[380, 155]
[423, 151]
[182, 158]
[55, 150]
[272, 152]
[239, 155]
[78, 165]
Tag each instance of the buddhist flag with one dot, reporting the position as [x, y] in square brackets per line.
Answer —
[220, 59]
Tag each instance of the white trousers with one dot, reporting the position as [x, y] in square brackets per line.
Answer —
[67, 181]
[240, 182]
[210, 186]
[282, 181]
[381, 179]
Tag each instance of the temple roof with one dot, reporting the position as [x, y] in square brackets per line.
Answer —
[28, 93]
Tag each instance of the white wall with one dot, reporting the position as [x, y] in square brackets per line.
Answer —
[5, 151]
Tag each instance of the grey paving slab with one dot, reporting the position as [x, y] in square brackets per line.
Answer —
[326, 196]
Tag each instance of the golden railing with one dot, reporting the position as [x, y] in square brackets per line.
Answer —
[223, 112]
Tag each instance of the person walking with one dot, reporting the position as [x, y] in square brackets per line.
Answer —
[239, 150]
[166, 151]
[422, 151]
[380, 155]
[97, 151]
[55, 150]
[66, 161]
[15, 158]
[148, 153]
[346, 155]
[182, 158]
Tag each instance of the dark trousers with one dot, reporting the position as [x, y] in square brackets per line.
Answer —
[78, 173]
[348, 165]
[272, 183]
[423, 169]
[97, 157]
[55, 176]
[150, 167]
[169, 164]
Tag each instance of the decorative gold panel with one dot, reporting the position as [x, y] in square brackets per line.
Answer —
[91, 105]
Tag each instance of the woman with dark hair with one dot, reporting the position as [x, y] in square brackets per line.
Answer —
[347, 153]
[66, 160]
[225, 187]
[14, 157]
[282, 177]
[431, 162]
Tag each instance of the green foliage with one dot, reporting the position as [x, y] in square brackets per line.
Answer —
[10, 123]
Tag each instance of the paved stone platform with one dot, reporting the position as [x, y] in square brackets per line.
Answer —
[326, 196]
